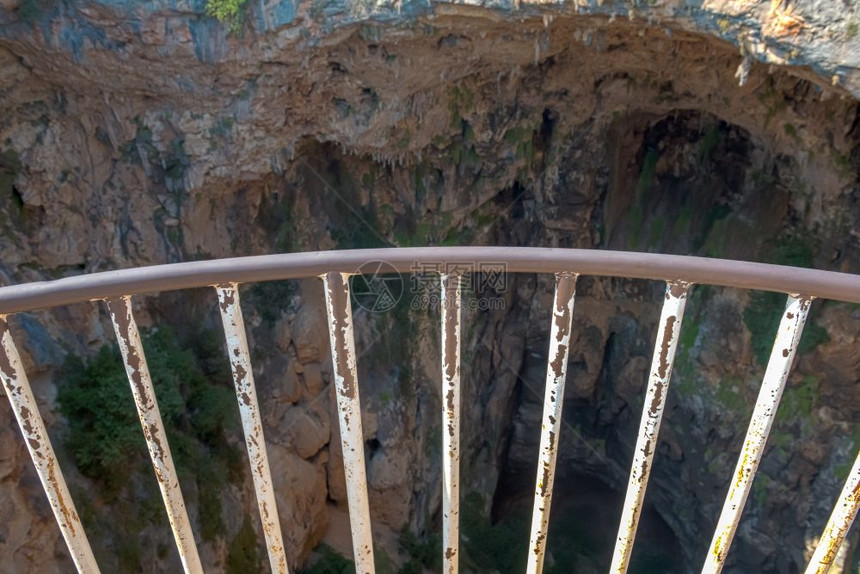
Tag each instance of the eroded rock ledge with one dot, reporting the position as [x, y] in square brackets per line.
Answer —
[822, 36]
[136, 134]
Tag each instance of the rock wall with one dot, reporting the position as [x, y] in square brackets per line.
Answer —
[142, 134]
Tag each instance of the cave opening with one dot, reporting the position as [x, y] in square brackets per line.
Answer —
[583, 526]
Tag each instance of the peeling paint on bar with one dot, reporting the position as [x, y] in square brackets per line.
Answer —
[844, 513]
[334, 268]
[559, 351]
[652, 413]
[451, 298]
[133, 356]
[249, 409]
[778, 367]
[342, 342]
[35, 435]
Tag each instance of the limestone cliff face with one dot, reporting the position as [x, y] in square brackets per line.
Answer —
[136, 134]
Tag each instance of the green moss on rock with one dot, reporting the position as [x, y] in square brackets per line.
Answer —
[243, 555]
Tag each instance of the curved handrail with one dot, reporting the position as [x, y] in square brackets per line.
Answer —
[173, 276]
[334, 267]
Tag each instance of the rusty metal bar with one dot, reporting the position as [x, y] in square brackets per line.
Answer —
[249, 410]
[741, 274]
[559, 351]
[337, 302]
[35, 435]
[451, 299]
[778, 367]
[134, 359]
[840, 522]
[649, 426]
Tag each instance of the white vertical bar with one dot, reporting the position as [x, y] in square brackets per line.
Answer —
[559, 351]
[778, 367]
[35, 435]
[652, 413]
[249, 409]
[840, 522]
[133, 356]
[451, 298]
[349, 415]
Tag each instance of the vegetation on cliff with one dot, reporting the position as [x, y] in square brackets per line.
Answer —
[104, 436]
[229, 11]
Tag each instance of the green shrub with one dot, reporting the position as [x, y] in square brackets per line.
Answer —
[104, 434]
[129, 553]
[796, 406]
[762, 314]
[269, 298]
[229, 11]
[197, 406]
[423, 553]
[761, 317]
[793, 250]
[502, 546]
[244, 555]
[330, 562]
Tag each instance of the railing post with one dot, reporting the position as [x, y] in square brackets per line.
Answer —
[559, 351]
[134, 359]
[773, 384]
[451, 299]
[35, 435]
[844, 513]
[252, 424]
[649, 427]
[342, 342]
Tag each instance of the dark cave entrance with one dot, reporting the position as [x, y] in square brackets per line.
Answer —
[583, 526]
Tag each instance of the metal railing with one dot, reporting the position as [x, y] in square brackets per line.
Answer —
[679, 273]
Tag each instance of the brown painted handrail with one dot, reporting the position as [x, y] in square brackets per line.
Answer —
[679, 272]
[740, 274]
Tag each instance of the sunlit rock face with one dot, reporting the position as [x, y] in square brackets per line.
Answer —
[137, 134]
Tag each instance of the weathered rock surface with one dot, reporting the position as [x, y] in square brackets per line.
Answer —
[135, 134]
